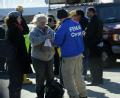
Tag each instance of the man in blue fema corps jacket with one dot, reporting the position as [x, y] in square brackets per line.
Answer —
[70, 39]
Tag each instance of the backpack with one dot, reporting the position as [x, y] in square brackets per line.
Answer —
[54, 90]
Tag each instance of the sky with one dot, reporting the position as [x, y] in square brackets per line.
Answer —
[24, 3]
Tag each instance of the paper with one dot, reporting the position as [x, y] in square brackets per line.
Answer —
[48, 43]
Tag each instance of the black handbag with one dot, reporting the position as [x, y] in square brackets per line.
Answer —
[54, 90]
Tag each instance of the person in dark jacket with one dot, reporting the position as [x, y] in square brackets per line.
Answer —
[93, 39]
[25, 31]
[18, 65]
[2, 59]
[84, 22]
[52, 24]
[82, 19]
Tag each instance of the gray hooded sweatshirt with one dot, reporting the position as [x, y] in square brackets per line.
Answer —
[37, 38]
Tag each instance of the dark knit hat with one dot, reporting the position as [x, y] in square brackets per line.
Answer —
[62, 14]
[14, 14]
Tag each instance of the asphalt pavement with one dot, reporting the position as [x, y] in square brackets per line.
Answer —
[110, 88]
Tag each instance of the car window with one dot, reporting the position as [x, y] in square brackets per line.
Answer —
[109, 14]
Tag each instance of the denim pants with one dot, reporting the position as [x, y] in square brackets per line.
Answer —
[72, 76]
[44, 72]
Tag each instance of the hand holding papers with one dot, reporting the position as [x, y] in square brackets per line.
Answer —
[48, 43]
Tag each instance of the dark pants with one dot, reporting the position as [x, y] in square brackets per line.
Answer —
[56, 62]
[96, 70]
[95, 65]
[29, 54]
[60, 73]
[85, 61]
[15, 79]
[44, 71]
[2, 63]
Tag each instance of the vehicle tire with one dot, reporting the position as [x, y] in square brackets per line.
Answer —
[107, 59]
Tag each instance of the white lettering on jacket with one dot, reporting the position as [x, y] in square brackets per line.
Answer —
[73, 29]
[76, 34]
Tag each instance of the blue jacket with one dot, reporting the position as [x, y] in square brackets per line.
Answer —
[69, 38]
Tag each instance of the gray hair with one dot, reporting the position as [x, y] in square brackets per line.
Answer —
[38, 17]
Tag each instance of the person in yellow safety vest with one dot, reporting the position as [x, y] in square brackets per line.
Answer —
[25, 31]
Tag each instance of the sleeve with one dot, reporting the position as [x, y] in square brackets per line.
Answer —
[60, 36]
[13, 37]
[2, 33]
[98, 34]
[94, 32]
[35, 39]
[52, 32]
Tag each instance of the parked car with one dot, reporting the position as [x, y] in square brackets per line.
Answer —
[110, 15]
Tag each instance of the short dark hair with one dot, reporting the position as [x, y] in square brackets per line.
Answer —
[62, 14]
[50, 19]
[92, 9]
[51, 16]
[80, 12]
[11, 21]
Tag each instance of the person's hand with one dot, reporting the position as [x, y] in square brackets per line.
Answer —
[84, 33]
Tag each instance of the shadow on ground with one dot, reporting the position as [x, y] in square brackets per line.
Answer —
[93, 94]
[30, 88]
[112, 87]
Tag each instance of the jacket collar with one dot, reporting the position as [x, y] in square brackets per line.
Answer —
[65, 20]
